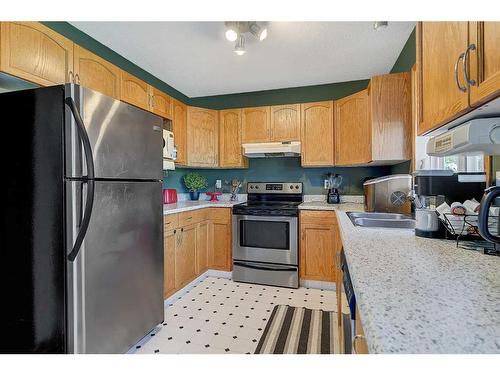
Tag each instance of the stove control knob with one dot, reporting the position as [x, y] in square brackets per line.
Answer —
[296, 186]
[291, 186]
[251, 186]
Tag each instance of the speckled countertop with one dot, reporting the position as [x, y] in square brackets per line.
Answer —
[419, 295]
[182, 206]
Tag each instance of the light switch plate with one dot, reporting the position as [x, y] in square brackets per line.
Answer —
[326, 184]
[218, 184]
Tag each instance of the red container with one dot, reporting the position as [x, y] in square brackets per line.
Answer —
[169, 196]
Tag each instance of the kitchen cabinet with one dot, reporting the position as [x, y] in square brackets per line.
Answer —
[179, 123]
[161, 104]
[373, 126]
[352, 129]
[185, 255]
[35, 53]
[484, 61]
[220, 250]
[134, 91]
[285, 123]
[169, 263]
[256, 125]
[359, 345]
[203, 237]
[320, 245]
[96, 73]
[230, 152]
[317, 134]
[202, 137]
[440, 48]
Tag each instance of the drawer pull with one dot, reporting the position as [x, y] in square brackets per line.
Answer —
[354, 340]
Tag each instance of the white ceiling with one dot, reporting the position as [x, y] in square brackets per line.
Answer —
[196, 59]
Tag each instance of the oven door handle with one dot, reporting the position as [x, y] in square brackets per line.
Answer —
[264, 268]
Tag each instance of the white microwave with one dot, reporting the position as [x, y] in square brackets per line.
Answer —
[169, 150]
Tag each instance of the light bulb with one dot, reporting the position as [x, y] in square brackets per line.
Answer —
[263, 35]
[231, 35]
[239, 48]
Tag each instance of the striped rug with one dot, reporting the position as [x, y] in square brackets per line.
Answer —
[297, 330]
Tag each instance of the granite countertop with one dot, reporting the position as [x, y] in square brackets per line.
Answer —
[419, 295]
[183, 206]
[323, 206]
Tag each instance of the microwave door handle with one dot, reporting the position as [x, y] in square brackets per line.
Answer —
[265, 268]
[89, 179]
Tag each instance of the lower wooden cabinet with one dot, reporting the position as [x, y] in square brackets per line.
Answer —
[359, 345]
[195, 241]
[320, 245]
[185, 255]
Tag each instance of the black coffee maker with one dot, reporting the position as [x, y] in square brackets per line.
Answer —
[334, 181]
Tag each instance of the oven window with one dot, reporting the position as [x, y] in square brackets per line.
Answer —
[265, 234]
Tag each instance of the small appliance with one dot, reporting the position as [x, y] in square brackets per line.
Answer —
[434, 187]
[334, 181]
[265, 234]
[271, 149]
[169, 196]
[169, 150]
[489, 197]
[388, 194]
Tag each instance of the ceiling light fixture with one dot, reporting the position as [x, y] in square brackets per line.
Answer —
[380, 25]
[235, 32]
[239, 48]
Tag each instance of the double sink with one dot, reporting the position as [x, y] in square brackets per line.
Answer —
[381, 220]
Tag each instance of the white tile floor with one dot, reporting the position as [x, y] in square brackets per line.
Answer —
[220, 316]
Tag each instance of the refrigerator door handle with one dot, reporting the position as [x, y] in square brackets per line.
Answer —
[89, 179]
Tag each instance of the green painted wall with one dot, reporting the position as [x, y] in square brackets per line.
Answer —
[280, 169]
[86, 41]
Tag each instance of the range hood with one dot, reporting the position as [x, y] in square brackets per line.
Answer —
[478, 136]
[271, 149]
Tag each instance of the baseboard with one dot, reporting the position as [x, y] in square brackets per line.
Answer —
[208, 273]
[326, 285]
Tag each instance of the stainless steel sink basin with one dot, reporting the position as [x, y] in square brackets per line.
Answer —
[381, 220]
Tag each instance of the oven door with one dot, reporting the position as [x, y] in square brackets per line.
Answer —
[270, 239]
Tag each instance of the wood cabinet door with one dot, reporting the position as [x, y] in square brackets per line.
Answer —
[317, 134]
[169, 263]
[185, 255]
[319, 245]
[439, 46]
[230, 153]
[221, 233]
[484, 61]
[256, 125]
[202, 246]
[35, 53]
[285, 123]
[96, 73]
[161, 103]
[353, 138]
[135, 91]
[179, 123]
[202, 137]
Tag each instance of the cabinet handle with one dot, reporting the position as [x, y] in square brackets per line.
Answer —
[471, 47]
[182, 229]
[354, 340]
[457, 81]
[71, 77]
[77, 78]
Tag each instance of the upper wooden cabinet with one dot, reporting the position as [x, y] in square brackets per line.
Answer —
[35, 53]
[135, 91]
[256, 125]
[179, 123]
[440, 48]
[317, 134]
[353, 143]
[230, 152]
[484, 42]
[96, 73]
[373, 126]
[285, 123]
[161, 104]
[202, 137]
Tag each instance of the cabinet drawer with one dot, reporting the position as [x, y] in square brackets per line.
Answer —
[221, 214]
[192, 217]
[170, 222]
[317, 217]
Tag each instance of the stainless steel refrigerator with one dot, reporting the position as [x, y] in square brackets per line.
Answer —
[81, 234]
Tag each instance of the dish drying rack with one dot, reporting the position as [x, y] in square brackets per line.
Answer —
[464, 228]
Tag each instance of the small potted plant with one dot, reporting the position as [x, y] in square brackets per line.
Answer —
[195, 182]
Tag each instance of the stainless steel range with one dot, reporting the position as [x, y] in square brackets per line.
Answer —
[265, 234]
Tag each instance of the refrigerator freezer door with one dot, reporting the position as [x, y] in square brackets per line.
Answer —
[126, 141]
[115, 289]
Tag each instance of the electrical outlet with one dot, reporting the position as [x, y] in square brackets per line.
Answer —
[326, 184]
[218, 184]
